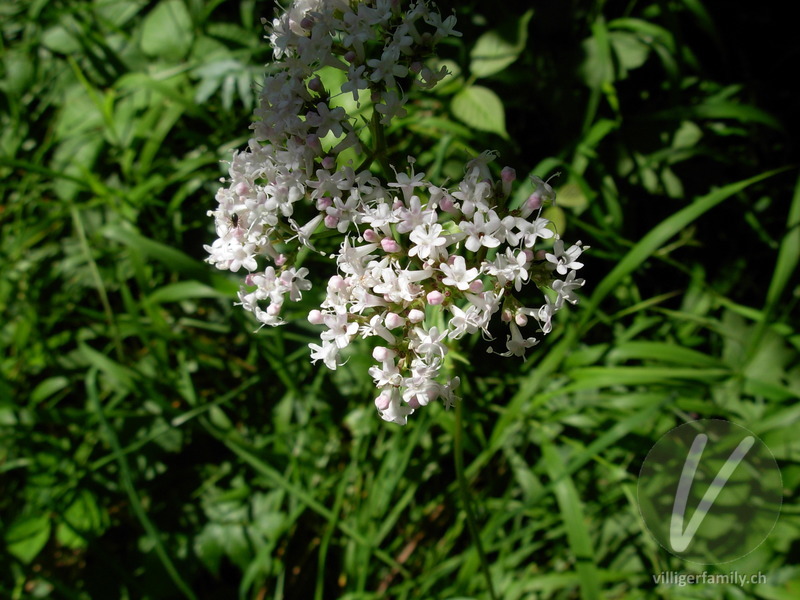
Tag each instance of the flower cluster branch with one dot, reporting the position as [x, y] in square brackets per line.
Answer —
[417, 266]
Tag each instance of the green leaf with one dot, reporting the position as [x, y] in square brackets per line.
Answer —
[631, 52]
[574, 521]
[493, 51]
[27, 536]
[167, 31]
[83, 518]
[184, 290]
[480, 108]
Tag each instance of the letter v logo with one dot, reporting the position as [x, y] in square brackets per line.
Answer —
[680, 538]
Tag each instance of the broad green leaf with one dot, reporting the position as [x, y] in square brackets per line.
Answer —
[631, 51]
[26, 537]
[493, 51]
[82, 520]
[167, 31]
[480, 108]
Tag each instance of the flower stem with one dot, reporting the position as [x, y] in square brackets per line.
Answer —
[458, 455]
[379, 138]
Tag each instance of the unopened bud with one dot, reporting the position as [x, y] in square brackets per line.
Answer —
[416, 315]
[389, 245]
[435, 298]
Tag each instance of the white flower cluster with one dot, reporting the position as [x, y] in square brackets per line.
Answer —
[417, 266]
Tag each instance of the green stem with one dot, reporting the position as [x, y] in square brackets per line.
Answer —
[458, 454]
[379, 137]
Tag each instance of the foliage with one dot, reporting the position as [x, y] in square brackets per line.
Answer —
[152, 446]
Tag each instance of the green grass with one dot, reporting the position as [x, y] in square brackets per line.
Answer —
[153, 445]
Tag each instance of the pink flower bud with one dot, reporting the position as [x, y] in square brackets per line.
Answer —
[242, 189]
[382, 354]
[393, 321]
[541, 254]
[389, 245]
[371, 236]
[248, 280]
[315, 85]
[331, 222]
[413, 402]
[312, 141]
[307, 23]
[324, 203]
[476, 287]
[534, 202]
[274, 309]
[328, 162]
[281, 260]
[435, 297]
[350, 56]
[415, 67]
[382, 401]
[508, 174]
[416, 316]
[315, 317]
[528, 254]
[520, 319]
[447, 204]
[506, 315]
[336, 283]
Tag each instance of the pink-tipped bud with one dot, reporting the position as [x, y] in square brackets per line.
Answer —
[350, 56]
[389, 245]
[506, 315]
[242, 188]
[416, 315]
[447, 204]
[274, 309]
[521, 319]
[476, 287]
[281, 260]
[534, 202]
[371, 236]
[324, 203]
[541, 254]
[248, 280]
[507, 175]
[393, 321]
[398, 204]
[528, 254]
[315, 85]
[435, 297]
[312, 141]
[307, 23]
[331, 222]
[415, 67]
[413, 402]
[328, 163]
[315, 317]
[382, 401]
[382, 354]
[336, 283]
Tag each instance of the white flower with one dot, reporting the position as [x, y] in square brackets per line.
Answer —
[458, 275]
[428, 240]
[563, 260]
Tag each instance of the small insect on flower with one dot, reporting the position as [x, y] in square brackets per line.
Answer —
[235, 220]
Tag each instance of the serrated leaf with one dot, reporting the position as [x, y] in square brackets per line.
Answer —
[167, 31]
[480, 108]
[493, 51]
